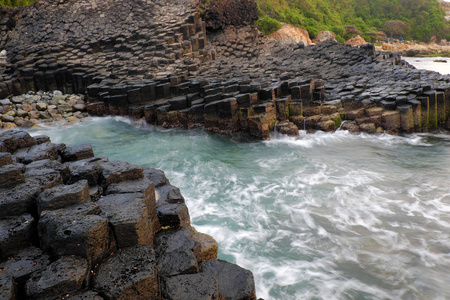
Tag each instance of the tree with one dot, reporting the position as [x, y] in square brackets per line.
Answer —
[396, 28]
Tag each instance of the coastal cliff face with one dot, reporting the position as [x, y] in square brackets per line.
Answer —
[82, 227]
[155, 60]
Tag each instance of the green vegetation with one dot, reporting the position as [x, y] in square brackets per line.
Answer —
[267, 25]
[408, 19]
[14, 3]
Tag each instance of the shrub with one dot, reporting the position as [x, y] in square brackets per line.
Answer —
[267, 25]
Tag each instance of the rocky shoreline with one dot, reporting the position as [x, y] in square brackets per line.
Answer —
[36, 109]
[76, 226]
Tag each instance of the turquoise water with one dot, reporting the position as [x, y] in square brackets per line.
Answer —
[322, 216]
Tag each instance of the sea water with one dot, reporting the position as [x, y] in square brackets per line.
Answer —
[437, 64]
[319, 216]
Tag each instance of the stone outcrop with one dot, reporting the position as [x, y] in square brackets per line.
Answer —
[79, 225]
[153, 60]
[291, 35]
[218, 14]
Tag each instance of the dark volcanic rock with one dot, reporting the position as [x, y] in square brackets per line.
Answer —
[116, 171]
[11, 175]
[156, 176]
[7, 287]
[18, 200]
[129, 274]
[22, 264]
[220, 13]
[63, 196]
[16, 139]
[234, 281]
[76, 230]
[46, 173]
[129, 218]
[175, 252]
[64, 276]
[89, 295]
[88, 169]
[5, 159]
[77, 152]
[15, 234]
[37, 152]
[192, 286]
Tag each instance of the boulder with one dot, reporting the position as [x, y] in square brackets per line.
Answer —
[199, 286]
[128, 215]
[291, 35]
[286, 127]
[77, 230]
[40, 139]
[323, 36]
[63, 196]
[128, 274]
[16, 139]
[37, 152]
[116, 171]
[23, 263]
[77, 152]
[15, 234]
[64, 276]
[11, 175]
[234, 281]
[175, 252]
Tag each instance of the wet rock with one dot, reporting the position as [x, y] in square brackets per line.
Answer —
[77, 230]
[88, 169]
[7, 287]
[89, 295]
[63, 196]
[37, 152]
[168, 194]
[11, 175]
[15, 234]
[128, 274]
[116, 171]
[391, 120]
[45, 173]
[156, 176]
[208, 246]
[144, 186]
[129, 218]
[175, 252]
[173, 215]
[64, 276]
[234, 281]
[40, 139]
[286, 127]
[16, 139]
[193, 286]
[77, 152]
[18, 200]
[5, 159]
[22, 264]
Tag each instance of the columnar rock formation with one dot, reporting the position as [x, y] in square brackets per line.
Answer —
[152, 60]
[72, 224]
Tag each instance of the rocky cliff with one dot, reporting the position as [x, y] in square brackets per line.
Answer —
[155, 60]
